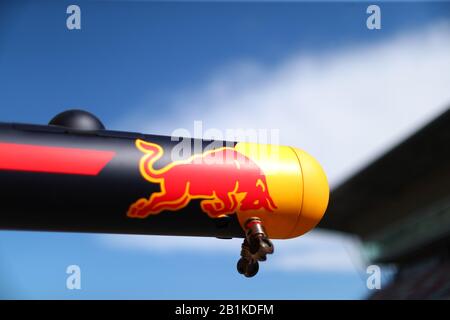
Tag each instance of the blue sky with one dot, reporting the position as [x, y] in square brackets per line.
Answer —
[312, 70]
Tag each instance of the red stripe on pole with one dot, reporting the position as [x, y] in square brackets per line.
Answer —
[25, 157]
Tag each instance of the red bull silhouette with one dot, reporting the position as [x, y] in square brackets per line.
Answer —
[225, 179]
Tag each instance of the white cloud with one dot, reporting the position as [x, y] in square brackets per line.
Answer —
[344, 107]
[316, 251]
[319, 251]
[165, 244]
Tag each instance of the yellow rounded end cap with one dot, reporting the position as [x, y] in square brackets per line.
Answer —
[284, 182]
[316, 193]
[297, 185]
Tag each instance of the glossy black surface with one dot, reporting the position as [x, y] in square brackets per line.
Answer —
[64, 202]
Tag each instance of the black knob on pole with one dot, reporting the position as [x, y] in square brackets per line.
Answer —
[77, 119]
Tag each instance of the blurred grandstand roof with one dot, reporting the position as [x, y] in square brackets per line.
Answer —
[399, 205]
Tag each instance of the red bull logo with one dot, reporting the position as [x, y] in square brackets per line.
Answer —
[224, 179]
